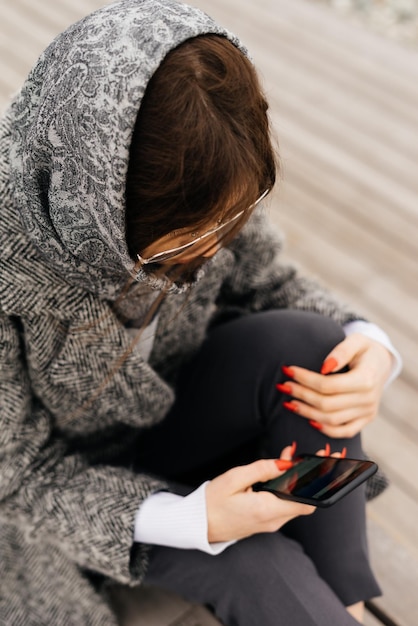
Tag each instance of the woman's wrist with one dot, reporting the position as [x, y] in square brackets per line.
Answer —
[175, 521]
[375, 332]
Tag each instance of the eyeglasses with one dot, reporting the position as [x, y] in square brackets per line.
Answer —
[160, 257]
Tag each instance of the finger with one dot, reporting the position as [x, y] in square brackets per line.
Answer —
[342, 454]
[343, 353]
[325, 451]
[290, 508]
[346, 382]
[329, 403]
[289, 451]
[243, 477]
[336, 411]
[345, 431]
[337, 424]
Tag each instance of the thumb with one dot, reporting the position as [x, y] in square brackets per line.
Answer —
[341, 355]
[243, 477]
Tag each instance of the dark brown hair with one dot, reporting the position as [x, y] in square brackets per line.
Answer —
[201, 150]
[201, 146]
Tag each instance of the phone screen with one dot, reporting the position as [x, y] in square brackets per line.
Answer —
[319, 480]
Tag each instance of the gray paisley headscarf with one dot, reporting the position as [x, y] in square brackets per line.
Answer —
[73, 122]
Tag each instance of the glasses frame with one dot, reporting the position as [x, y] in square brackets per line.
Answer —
[160, 257]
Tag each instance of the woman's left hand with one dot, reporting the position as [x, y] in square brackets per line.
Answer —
[342, 404]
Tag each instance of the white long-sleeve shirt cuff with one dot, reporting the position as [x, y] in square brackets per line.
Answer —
[167, 519]
[375, 332]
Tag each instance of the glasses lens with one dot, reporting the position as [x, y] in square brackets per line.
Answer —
[221, 232]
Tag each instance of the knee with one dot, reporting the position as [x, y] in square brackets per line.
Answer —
[289, 336]
[309, 337]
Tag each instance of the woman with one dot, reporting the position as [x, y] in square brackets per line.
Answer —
[156, 357]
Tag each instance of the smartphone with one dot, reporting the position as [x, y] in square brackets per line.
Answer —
[319, 480]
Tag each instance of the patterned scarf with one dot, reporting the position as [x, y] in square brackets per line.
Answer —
[72, 127]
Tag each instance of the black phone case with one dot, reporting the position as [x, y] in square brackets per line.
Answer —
[330, 500]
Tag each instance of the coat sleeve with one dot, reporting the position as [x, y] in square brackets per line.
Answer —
[259, 280]
[55, 496]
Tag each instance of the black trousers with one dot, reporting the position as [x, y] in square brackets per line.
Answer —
[228, 412]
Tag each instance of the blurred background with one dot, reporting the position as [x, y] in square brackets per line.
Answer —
[396, 19]
[342, 80]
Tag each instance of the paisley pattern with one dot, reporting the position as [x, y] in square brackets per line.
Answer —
[73, 122]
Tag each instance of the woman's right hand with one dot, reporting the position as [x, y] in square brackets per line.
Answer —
[236, 511]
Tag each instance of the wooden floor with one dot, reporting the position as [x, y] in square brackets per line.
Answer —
[345, 107]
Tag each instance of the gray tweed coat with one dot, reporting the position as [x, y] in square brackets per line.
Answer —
[69, 411]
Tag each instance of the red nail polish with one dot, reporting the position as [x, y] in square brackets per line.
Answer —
[283, 464]
[343, 453]
[293, 449]
[288, 371]
[284, 388]
[327, 449]
[329, 365]
[290, 406]
[314, 424]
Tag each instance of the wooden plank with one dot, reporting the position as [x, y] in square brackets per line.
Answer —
[33, 30]
[395, 511]
[399, 453]
[368, 46]
[400, 407]
[56, 16]
[397, 201]
[333, 125]
[397, 573]
[370, 620]
[366, 54]
[379, 615]
[276, 26]
[332, 215]
[305, 100]
[311, 219]
[34, 24]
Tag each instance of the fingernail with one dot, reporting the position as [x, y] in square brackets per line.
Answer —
[314, 424]
[327, 449]
[329, 365]
[284, 388]
[293, 449]
[343, 453]
[290, 406]
[283, 464]
[288, 371]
